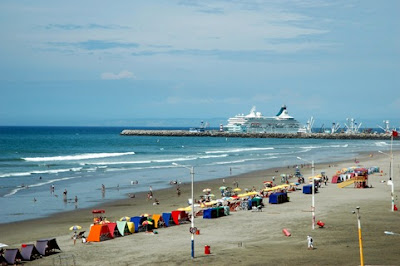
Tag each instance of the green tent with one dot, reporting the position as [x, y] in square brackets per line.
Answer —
[123, 228]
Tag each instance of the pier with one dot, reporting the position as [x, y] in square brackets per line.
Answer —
[216, 133]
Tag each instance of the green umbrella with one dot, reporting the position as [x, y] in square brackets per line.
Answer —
[222, 187]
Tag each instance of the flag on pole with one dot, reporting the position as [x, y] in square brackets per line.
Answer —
[395, 133]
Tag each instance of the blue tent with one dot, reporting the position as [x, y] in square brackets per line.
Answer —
[277, 198]
[207, 214]
[307, 189]
[138, 220]
[166, 216]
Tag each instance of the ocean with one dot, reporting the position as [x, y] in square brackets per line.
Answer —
[82, 159]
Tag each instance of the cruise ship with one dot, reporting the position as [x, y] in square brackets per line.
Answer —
[255, 122]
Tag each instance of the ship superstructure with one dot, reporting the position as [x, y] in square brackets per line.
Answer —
[255, 122]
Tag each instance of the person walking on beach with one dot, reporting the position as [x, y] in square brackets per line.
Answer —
[65, 195]
[74, 238]
[310, 242]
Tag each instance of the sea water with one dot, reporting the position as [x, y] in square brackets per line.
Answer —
[82, 159]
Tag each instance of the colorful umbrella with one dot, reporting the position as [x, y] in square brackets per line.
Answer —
[207, 190]
[146, 223]
[222, 187]
[237, 189]
[75, 227]
[145, 215]
[125, 218]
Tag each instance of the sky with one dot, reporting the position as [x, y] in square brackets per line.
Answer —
[144, 63]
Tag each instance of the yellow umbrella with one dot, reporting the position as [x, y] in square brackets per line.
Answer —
[75, 227]
[211, 203]
[237, 189]
[125, 218]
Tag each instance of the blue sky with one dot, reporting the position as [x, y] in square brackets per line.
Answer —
[128, 62]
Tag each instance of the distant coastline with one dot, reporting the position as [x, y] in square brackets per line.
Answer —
[215, 133]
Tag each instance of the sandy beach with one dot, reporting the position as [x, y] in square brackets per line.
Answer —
[244, 237]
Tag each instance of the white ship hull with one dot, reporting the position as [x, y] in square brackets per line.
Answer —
[255, 122]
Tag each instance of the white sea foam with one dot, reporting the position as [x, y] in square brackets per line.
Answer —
[77, 157]
[381, 144]
[190, 158]
[240, 150]
[52, 181]
[242, 161]
[54, 171]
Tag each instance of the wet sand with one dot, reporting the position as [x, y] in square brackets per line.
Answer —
[244, 237]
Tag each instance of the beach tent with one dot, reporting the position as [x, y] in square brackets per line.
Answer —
[167, 218]
[179, 217]
[307, 189]
[29, 252]
[335, 179]
[208, 213]
[112, 227]
[277, 198]
[156, 218]
[45, 246]
[256, 201]
[12, 256]
[131, 227]
[98, 232]
[226, 210]
[138, 220]
[123, 228]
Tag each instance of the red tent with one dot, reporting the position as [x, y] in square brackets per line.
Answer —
[334, 179]
[111, 228]
[179, 216]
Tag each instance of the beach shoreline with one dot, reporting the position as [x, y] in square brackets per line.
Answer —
[57, 225]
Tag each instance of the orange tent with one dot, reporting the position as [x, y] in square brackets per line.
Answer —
[99, 232]
[156, 218]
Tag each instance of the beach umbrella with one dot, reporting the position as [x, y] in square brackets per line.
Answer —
[145, 215]
[237, 189]
[147, 223]
[207, 190]
[222, 187]
[3, 245]
[75, 227]
[210, 195]
[125, 218]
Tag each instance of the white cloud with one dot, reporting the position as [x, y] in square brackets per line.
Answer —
[125, 74]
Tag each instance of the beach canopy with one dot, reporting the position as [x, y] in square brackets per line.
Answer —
[179, 216]
[45, 246]
[138, 221]
[131, 227]
[156, 218]
[112, 227]
[277, 198]
[75, 228]
[11, 255]
[123, 228]
[99, 232]
[29, 252]
[166, 216]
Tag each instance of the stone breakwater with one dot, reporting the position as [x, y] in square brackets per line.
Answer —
[183, 133]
